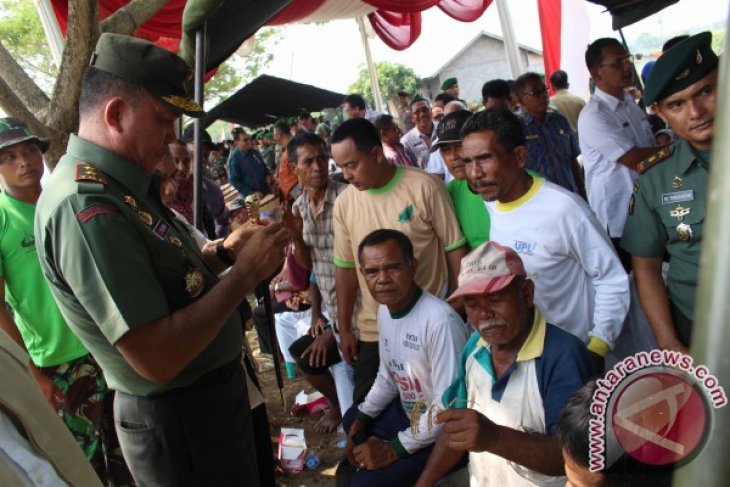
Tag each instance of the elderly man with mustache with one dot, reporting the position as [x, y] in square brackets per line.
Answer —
[516, 374]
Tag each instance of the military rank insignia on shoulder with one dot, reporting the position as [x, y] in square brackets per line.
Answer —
[87, 172]
[654, 159]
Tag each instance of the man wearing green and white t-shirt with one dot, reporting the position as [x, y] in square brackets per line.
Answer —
[68, 376]
[579, 281]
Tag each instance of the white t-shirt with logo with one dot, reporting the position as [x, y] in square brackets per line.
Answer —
[580, 284]
[419, 359]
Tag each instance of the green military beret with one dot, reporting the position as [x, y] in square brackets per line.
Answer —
[680, 66]
[142, 63]
[14, 131]
[449, 83]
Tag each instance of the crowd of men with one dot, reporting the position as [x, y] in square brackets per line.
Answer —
[461, 276]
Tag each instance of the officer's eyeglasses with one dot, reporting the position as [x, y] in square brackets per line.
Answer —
[620, 63]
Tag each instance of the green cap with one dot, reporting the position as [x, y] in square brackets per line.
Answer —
[680, 66]
[142, 63]
[14, 131]
[449, 83]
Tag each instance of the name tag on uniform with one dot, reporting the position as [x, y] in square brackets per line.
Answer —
[678, 196]
[532, 137]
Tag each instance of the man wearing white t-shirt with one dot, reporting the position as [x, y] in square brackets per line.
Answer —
[421, 338]
[615, 137]
[579, 282]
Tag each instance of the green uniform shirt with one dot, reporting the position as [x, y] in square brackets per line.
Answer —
[471, 213]
[46, 336]
[667, 212]
[116, 259]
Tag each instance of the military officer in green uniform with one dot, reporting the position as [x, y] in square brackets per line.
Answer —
[135, 287]
[668, 206]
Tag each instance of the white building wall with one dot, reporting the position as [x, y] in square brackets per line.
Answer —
[484, 60]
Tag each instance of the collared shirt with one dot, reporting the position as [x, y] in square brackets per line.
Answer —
[416, 142]
[248, 172]
[668, 214]
[216, 217]
[116, 259]
[569, 105]
[398, 154]
[319, 236]
[552, 148]
[608, 129]
[529, 396]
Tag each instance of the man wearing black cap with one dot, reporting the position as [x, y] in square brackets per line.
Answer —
[134, 285]
[668, 205]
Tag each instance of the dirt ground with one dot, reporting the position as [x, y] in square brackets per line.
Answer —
[322, 444]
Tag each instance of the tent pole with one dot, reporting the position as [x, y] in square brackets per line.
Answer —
[510, 41]
[198, 130]
[371, 67]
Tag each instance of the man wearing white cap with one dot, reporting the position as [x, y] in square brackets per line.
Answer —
[516, 375]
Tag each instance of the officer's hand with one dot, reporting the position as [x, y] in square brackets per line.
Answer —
[467, 429]
[374, 454]
[238, 237]
[262, 252]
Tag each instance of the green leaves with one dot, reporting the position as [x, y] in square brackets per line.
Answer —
[392, 78]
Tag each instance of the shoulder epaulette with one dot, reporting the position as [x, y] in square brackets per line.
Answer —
[87, 172]
[654, 159]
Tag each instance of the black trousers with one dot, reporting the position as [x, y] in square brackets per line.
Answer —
[194, 436]
[365, 369]
[262, 326]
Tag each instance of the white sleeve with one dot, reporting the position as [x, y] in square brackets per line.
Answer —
[445, 341]
[608, 277]
[605, 134]
[435, 164]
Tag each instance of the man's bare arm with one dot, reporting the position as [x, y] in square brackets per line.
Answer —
[453, 263]
[159, 350]
[346, 286]
[655, 301]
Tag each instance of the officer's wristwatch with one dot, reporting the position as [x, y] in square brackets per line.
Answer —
[223, 254]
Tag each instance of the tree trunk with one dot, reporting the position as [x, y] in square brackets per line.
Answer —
[58, 117]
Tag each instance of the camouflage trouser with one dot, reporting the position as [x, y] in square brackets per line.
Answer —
[88, 413]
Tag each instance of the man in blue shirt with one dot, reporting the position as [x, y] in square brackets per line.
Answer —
[552, 146]
[248, 173]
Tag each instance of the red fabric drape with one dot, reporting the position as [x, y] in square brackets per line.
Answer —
[398, 22]
[397, 30]
[402, 6]
[550, 12]
[296, 10]
[464, 10]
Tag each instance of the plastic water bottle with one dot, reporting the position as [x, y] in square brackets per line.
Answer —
[312, 461]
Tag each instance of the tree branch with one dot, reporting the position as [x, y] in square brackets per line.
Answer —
[130, 17]
[15, 107]
[18, 84]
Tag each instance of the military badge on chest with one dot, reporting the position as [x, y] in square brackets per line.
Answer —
[194, 280]
[684, 230]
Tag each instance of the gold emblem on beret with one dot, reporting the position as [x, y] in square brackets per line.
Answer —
[175, 241]
[130, 201]
[684, 232]
[682, 75]
[698, 57]
[194, 282]
[185, 104]
[145, 217]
